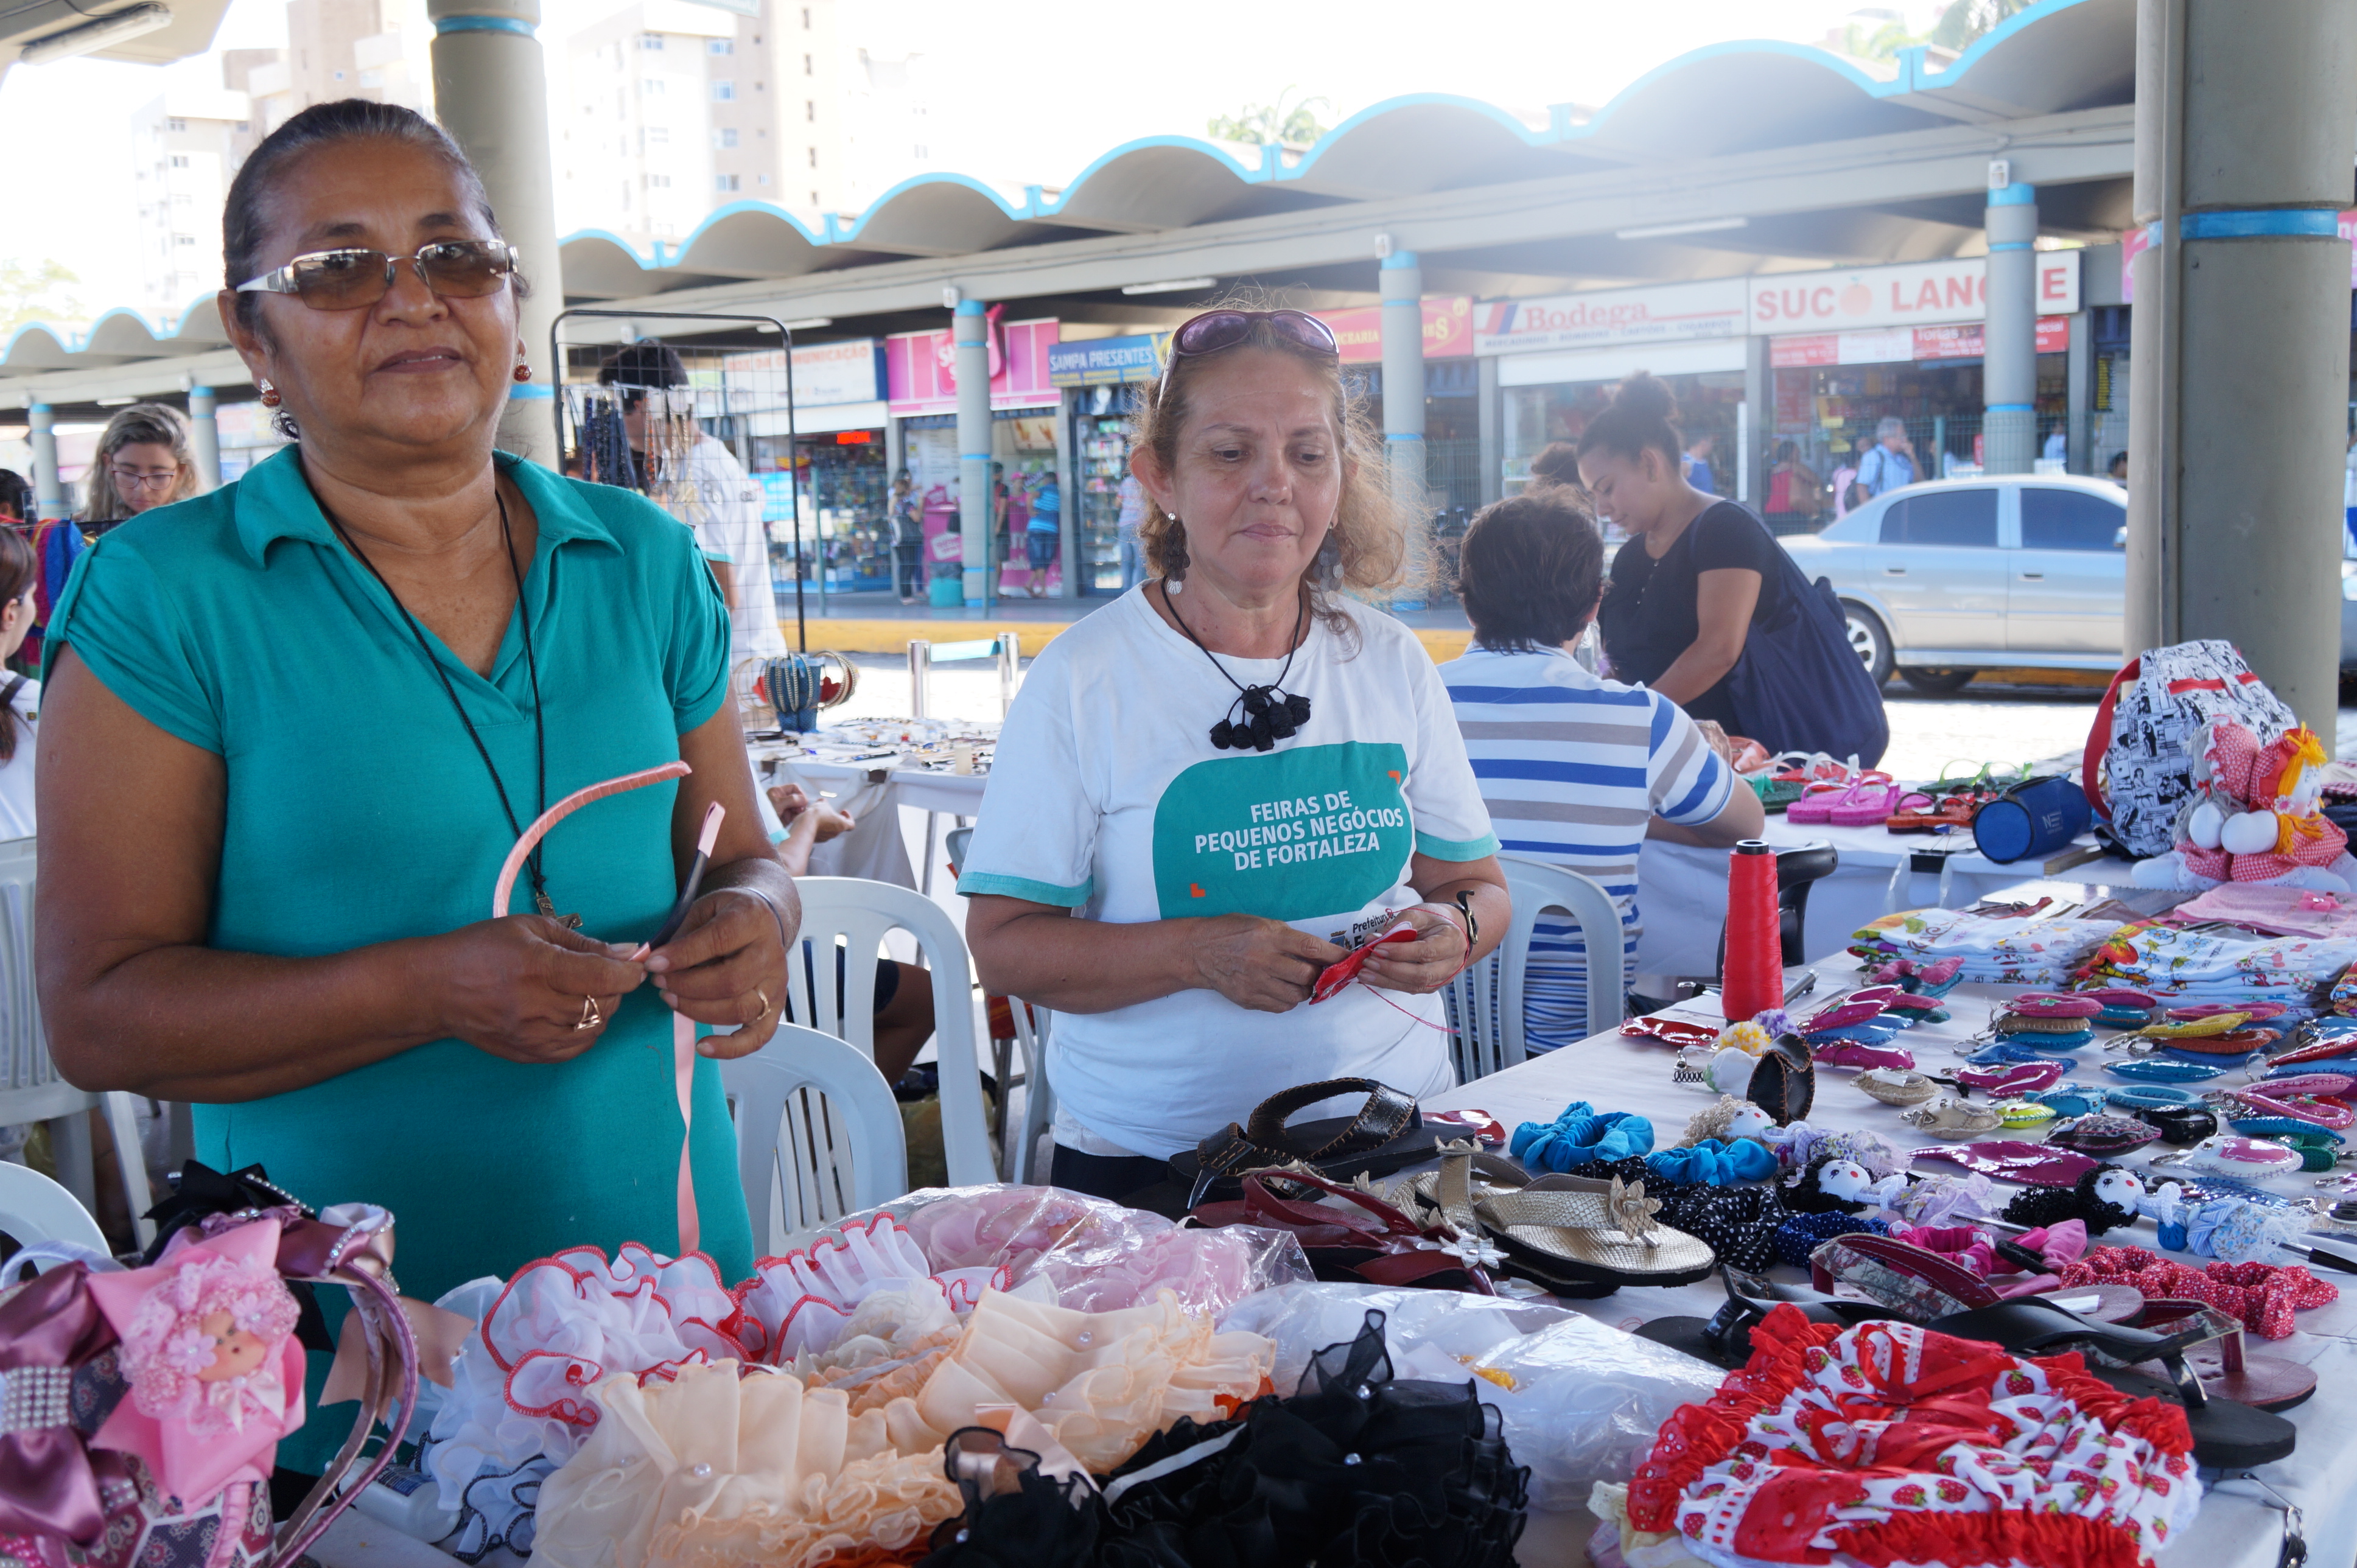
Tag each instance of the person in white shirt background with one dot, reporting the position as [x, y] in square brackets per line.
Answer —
[707, 488]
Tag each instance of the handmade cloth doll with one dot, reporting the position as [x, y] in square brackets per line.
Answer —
[2253, 816]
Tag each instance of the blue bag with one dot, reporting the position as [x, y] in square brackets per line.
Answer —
[2036, 818]
[1799, 685]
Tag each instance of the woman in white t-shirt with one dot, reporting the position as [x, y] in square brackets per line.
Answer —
[1234, 775]
[20, 710]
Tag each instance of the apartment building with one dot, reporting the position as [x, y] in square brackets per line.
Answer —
[185, 148]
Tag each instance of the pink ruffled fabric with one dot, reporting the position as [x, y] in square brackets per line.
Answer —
[2261, 1296]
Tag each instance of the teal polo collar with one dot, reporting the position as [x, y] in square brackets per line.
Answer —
[273, 503]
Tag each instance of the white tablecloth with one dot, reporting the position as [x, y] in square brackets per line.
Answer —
[1682, 891]
[1615, 1073]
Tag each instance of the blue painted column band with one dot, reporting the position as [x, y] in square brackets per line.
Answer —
[2014, 196]
[483, 25]
[2011, 407]
[1398, 260]
[2012, 245]
[2262, 222]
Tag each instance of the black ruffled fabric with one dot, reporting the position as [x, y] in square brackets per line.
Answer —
[1740, 1223]
[1355, 1469]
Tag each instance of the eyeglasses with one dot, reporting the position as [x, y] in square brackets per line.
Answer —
[350, 280]
[134, 479]
[1216, 330]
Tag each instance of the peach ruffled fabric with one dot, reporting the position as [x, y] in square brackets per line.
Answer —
[710, 1471]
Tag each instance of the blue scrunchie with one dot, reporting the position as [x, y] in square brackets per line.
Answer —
[1579, 1135]
[1804, 1233]
[1712, 1163]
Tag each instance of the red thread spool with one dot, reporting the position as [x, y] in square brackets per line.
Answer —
[1754, 978]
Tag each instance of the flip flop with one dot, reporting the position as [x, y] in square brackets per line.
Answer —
[1574, 1235]
[1868, 803]
[1387, 1132]
[1724, 1338]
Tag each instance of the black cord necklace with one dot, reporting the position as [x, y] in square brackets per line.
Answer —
[1270, 714]
[532, 865]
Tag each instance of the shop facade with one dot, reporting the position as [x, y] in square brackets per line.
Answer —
[1026, 447]
[829, 470]
[1782, 379]
[1098, 381]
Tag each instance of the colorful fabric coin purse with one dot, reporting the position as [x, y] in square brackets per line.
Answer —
[143, 1407]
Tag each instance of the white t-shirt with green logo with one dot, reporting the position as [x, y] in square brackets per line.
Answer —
[1108, 797]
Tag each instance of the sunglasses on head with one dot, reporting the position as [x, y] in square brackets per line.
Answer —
[1216, 330]
[350, 280]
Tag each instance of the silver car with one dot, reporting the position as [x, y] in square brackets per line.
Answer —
[1942, 579]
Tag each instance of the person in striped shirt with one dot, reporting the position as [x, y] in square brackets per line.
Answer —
[1579, 771]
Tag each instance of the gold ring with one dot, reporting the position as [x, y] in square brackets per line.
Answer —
[765, 1004]
[590, 1017]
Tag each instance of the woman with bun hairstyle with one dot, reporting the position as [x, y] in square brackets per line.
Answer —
[1702, 582]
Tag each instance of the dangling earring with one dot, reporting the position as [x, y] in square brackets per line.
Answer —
[1329, 564]
[269, 395]
[1174, 558]
[522, 371]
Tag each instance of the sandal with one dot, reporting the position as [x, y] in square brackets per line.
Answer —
[1868, 804]
[2263, 1383]
[2227, 1434]
[1953, 811]
[1573, 1235]
[1390, 1249]
[1724, 1340]
[1387, 1132]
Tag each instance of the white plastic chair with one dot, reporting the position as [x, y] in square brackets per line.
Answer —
[853, 915]
[1485, 1003]
[1018, 1154]
[30, 1087]
[1005, 650]
[805, 1104]
[34, 1209]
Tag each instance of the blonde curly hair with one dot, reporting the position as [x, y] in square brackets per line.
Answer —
[1377, 524]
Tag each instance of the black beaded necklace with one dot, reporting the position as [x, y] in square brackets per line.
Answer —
[532, 865]
[1270, 714]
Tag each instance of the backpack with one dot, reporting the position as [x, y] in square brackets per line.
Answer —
[2138, 767]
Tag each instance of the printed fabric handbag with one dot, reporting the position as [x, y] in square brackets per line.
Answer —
[141, 1409]
[1798, 684]
[2138, 769]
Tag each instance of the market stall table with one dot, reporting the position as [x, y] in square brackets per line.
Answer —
[2236, 1528]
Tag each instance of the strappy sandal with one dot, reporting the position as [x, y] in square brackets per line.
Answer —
[1952, 1120]
[1953, 812]
[1574, 1235]
[2263, 1383]
[1380, 1245]
[1724, 1338]
[1386, 1134]
[2227, 1434]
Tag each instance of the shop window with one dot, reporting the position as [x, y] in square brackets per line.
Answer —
[2071, 520]
[1965, 517]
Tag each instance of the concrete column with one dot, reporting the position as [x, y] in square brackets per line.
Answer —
[1068, 541]
[2240, 362]
[49, 487]
[2009, 335]
[971, 334]
[1401, 282]
[490, 92]
[1751, 463]
[2079, 394]
[204, 434]
[1490, 410]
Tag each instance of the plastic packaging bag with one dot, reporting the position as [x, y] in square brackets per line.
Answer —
[1582, 1401]
[1098, 1256]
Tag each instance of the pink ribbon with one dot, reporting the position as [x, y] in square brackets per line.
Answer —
[683, 1028]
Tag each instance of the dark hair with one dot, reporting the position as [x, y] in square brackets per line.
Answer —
[245, 216]
[1786, 452]
[1558, 464]
[643, 365]
[20, 569]
[1643, 417]
[1529, 570]
[16, 494]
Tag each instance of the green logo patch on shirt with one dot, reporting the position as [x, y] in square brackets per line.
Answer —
[1288, 835]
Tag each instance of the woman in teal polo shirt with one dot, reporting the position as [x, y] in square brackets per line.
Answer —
[294, 726]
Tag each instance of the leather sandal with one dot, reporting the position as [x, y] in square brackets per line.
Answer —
[1386, 1134]
[1724, 1338]
[2227, 1432]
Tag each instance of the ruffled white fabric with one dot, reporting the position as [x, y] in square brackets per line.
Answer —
[709, 1471]
[520, 1386]
[803, 1300]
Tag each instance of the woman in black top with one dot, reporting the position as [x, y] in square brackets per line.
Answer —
[1698, 574]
